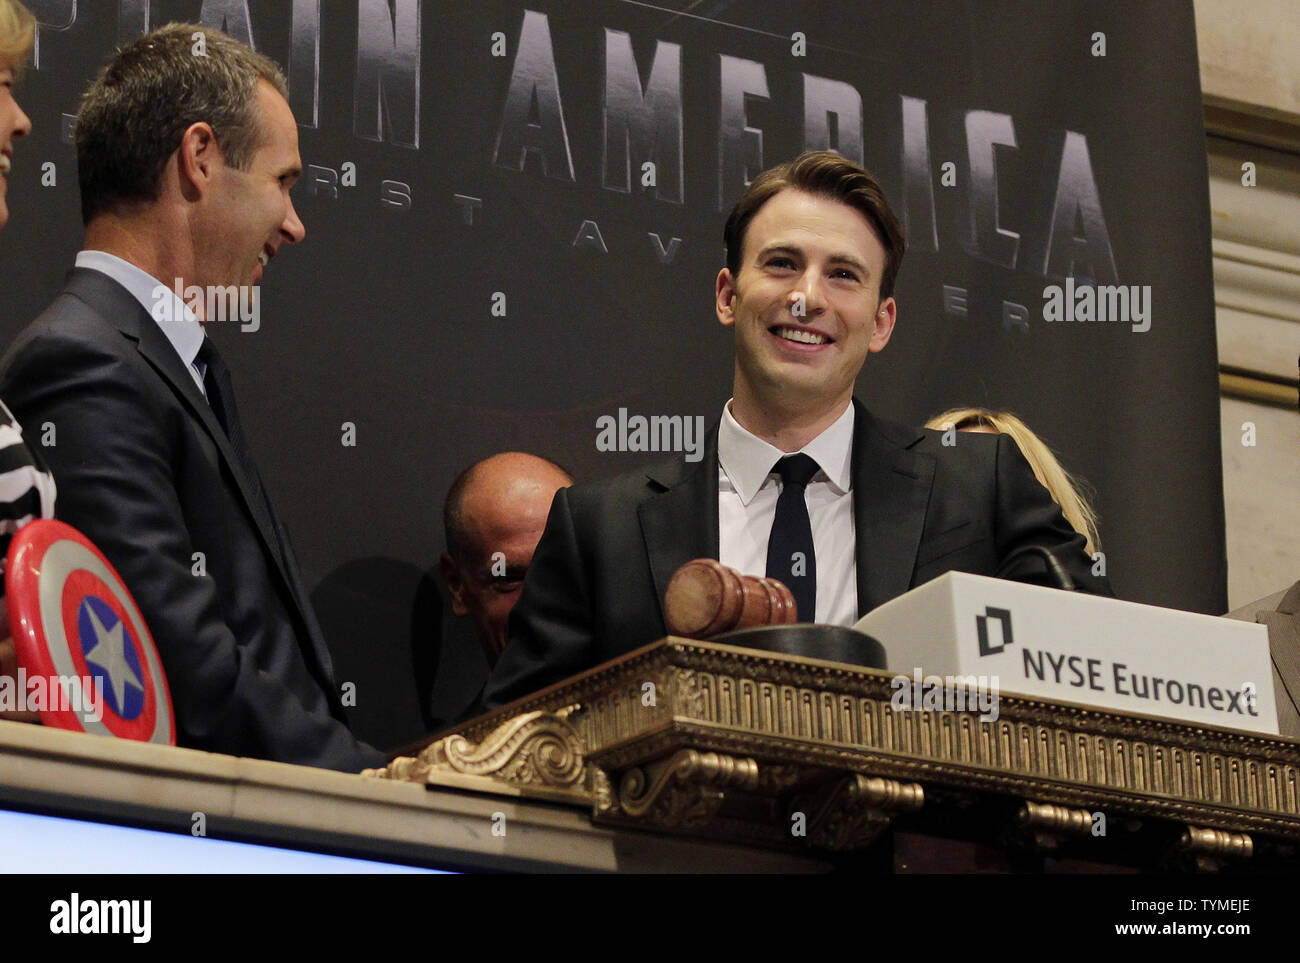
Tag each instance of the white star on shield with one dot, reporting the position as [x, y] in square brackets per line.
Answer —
[109, 653]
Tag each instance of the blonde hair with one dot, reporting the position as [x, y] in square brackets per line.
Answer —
[17, 33]
[1065, 489]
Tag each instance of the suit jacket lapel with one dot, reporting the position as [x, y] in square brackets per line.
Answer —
[891, 490]
[124, 312]
[681, 522]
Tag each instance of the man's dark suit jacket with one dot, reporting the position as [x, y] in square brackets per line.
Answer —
[596, 584]
[146, 472]
[1281, 613]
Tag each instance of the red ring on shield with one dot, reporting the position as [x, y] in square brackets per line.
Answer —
[52, 571]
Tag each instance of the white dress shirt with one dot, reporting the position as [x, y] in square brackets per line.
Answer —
[748, 489]
[178, 323]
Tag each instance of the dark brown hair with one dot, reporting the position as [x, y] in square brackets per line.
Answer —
[133, 116]
[827, 174]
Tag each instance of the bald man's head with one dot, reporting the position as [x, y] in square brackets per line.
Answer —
[494, 515]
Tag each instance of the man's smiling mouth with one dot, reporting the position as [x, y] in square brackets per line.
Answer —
[799, 335]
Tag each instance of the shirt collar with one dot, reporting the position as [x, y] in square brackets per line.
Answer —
[748, 459]
[179, 324]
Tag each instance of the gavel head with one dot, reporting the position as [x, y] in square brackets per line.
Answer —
[706, 598]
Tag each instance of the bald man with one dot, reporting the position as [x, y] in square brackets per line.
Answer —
[494, 515]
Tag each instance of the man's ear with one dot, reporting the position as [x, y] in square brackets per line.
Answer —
[198, 156]
[884, 320]
[726, 294]
[450, 573]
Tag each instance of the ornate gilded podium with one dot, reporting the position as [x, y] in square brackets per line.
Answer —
[803, 756]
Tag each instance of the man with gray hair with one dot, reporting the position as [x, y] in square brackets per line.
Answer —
[186, 154]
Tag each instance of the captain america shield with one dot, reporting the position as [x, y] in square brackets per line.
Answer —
[82, 644]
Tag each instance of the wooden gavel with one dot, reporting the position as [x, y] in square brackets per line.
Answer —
[706, 598]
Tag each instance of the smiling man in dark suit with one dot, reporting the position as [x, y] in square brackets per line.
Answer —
[798, 480]
[186, 153]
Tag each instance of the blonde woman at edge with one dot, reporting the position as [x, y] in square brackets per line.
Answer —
[1058, 482]
[26, 488]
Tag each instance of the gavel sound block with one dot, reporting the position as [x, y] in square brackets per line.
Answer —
[706, 598]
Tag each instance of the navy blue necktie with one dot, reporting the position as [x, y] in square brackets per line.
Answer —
[221, 398]
[790, 555]
[216, 385]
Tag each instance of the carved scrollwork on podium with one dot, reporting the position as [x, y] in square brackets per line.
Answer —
[1207, 850]
[536, 748]
[603, 801]
[1044, 826]
[401, 769]
[777, 778]
[736, 742]
[687, 790]
[850, 813]
[690, 694]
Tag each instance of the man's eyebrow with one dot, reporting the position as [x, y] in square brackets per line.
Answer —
[848, 259]
[851, 261]
[779, 249]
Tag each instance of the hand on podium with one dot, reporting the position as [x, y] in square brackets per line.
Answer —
[9, 669]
